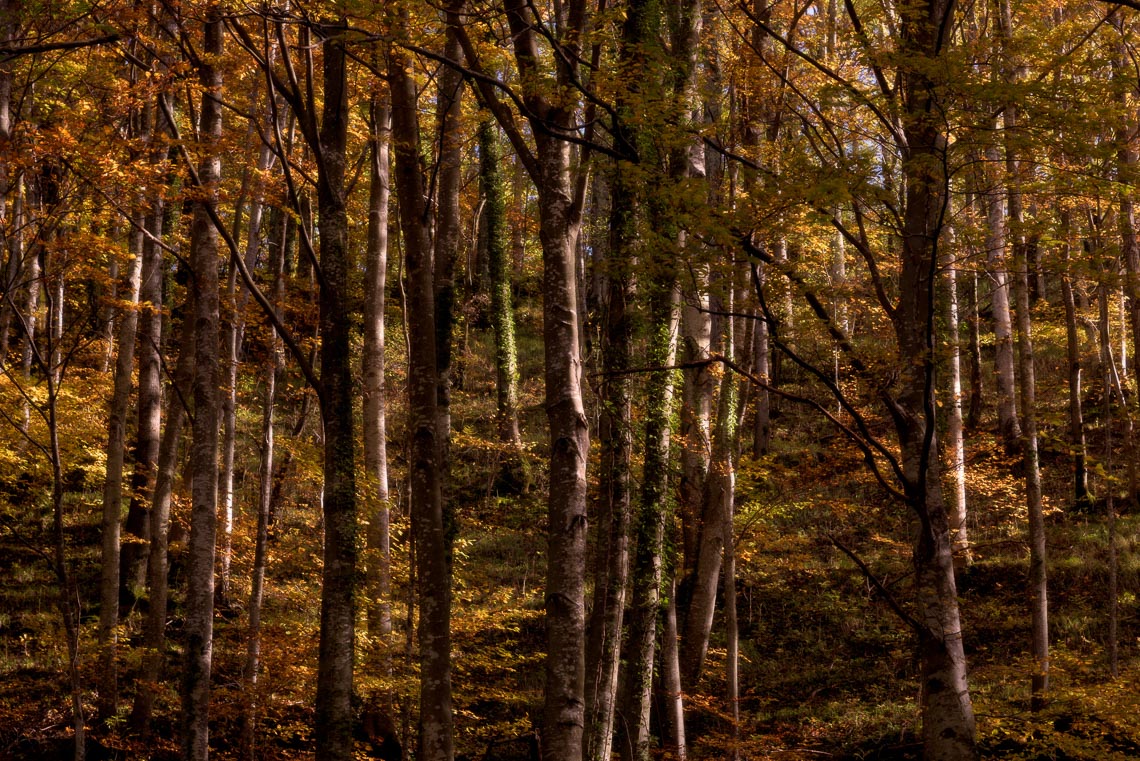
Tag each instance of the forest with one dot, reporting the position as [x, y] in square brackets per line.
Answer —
[574, 380]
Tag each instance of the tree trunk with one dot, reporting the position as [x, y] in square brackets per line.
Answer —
[551, 117]
[338, 578]
[696, 411]
[611, 557]
[1111, 383]
[1077, 443]
[706, 573]
[233, 334]
[449, 98]
[732, 633]
[204, 447]
[433, 570]
[649, 523]
[502, 312]
[154, 636]
[8, 180]
[569, 445]
[250, 673]
[673, 693]
[947, 711]
[1039, 608]
[113, 485]
[133, 565]
[956, 445]
[1009, 432]
[378, 567]
[973, 322]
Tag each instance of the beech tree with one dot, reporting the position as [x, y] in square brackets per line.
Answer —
[791, 263]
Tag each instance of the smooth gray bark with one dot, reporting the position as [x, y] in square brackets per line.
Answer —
[378, 566]
[273, 367]
[1009, 431]
[113, 484]
[955, 446]
[199, 626]
[133, 565]
[433, 572]
[154, 630]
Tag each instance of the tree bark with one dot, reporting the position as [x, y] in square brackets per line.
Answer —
[338, 578]
[204, 446]
[113, 486]
[252, 668]
[947, 712]
[154, 636]
[502, 312]
[433, 570]
[649, 522]
[611, 557]
[378, 567]
[1038, 584]
[133, 565]
[1009, 431]
[954, 430]
[1077, 443]
[705, 577]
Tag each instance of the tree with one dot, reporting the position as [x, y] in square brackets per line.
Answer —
[204, 445]
[433, 571]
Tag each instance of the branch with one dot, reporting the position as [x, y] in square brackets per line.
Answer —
[859, 95]
[908, 619]
[247, 279]
[866, 439]
[9, 53]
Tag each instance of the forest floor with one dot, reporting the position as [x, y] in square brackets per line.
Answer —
[827, 670]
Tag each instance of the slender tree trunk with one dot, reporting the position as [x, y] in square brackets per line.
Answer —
[1077, 443]
[34, 278]
[338, 578]
[948, 728]
[204, 447]
[1009, 431]
[611, 558]
[673, 692]
[502, 312]
[7, 181]
[732, 632]
[432, 562]
[956, 444]
[154, 636]
[706, 574]
[696, 411]
[449, 99]
[70, 610]
[251, 671]
[973, 322]
[1038, 585]
[1128, 159]
[649, 522]
[762, 364]
[374, 392]
[1109, 370]
[133, 564]
[113, 486]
